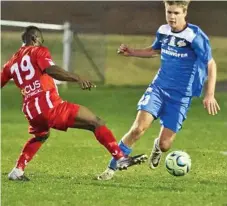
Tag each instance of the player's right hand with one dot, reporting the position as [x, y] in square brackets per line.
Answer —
[124, 50]
[86, 84]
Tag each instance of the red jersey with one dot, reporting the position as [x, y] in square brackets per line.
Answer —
[27, 68]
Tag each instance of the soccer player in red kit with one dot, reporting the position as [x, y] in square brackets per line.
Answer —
[33, 72]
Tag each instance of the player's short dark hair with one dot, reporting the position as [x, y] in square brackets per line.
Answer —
[30, 32]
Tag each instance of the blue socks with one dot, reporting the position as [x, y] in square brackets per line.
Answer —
[125, 149]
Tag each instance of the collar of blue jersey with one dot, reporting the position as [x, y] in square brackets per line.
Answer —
[181, 30]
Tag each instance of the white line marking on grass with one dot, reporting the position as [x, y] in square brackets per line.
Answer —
[224, 152]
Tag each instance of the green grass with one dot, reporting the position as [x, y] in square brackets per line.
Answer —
[118, 70]
[63, 170]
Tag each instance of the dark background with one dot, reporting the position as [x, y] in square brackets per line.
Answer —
[117, 16]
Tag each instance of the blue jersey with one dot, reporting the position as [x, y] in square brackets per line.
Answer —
[184, 59]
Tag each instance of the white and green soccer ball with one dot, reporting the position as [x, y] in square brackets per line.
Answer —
[178, 163]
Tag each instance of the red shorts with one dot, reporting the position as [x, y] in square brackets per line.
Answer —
[61, 117]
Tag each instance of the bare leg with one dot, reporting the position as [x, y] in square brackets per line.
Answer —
[141, 124]
[166, 138]
[87, 120]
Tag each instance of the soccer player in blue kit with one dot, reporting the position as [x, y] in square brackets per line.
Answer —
[186, 62]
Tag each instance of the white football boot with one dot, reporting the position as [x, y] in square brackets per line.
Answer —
[108, 174]
[17, 174]
[155, 156]
[122, 164]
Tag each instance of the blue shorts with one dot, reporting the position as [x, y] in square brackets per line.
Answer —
[168, 105]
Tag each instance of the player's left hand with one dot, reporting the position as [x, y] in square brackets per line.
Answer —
[86, 84]
[211, 104]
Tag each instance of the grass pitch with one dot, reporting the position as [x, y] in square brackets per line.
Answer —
[62, 172]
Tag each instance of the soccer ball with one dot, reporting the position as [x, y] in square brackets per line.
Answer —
[178, 163]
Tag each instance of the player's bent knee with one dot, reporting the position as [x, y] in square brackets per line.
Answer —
[97, 122]
[165, 145]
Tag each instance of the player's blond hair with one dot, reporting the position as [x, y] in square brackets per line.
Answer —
[183, 4]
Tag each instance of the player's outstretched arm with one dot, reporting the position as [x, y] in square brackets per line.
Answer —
[209, 101]
[5, 75]
[143, 53]
[60, 74]
[4, 80]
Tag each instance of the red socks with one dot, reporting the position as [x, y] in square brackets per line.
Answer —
[29, 150]
[106, 138]
[102, 133]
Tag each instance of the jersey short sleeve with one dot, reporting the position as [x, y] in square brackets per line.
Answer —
[44, 59]
[202, 48]
[157, 42]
